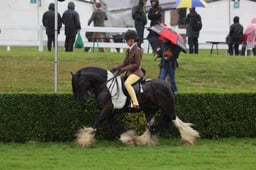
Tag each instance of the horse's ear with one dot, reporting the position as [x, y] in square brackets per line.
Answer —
[72, 74]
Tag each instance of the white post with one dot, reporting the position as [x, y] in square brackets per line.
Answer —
[56, 48]
[229, 13]
[40, 39]
[39, 30]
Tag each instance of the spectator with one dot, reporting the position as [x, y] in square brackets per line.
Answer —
[72, 24]
[169, 54]
[194, 25]
[140, 20]
[155, 16]
[48, 23]
[131, 65]
[89, 36]
[235, 36]
[250, 33]
[242, 53]
[98, 17]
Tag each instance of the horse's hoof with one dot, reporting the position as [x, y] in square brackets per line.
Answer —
[85, 137]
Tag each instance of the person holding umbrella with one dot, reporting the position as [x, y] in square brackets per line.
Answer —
[194, 25]
[169, 54]
[172, 44]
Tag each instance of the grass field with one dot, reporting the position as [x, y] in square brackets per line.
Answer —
[222, 154]
[24, 69]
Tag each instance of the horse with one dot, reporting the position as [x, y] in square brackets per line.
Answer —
[153, 95]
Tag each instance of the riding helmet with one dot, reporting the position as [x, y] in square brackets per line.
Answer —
[131, 34]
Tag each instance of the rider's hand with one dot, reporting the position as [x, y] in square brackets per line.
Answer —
[113, 70]
[122, 69]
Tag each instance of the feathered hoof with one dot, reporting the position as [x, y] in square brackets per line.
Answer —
[189, 136]
[187, 133]
[85, 137]
[131, 138]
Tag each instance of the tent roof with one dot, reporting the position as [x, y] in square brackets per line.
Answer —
[114, 5]
[126, 4]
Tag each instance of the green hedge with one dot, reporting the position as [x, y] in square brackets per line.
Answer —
[57, 117]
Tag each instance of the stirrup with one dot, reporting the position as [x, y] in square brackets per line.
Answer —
[134, 108]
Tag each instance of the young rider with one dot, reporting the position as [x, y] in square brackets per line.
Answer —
[131, 65]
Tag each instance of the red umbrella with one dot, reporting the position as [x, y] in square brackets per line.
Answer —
[169, 34]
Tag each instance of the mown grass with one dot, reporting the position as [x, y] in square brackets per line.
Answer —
[222, 154]
[24, 69]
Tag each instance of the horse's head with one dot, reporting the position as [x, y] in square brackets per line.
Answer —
[80, 87]
[87, 80]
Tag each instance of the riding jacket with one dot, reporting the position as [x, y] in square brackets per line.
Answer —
[132, 62]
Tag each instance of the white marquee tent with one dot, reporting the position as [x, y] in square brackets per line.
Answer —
[27, 16]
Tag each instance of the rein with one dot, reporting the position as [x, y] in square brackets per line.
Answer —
[111, 87]
[112, 84]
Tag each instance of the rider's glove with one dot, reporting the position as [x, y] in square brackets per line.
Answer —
[113, 70]
[122, 69]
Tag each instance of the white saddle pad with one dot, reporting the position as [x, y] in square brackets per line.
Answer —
[114, 86]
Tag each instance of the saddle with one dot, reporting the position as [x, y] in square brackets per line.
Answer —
[120, 96]
[137, 86]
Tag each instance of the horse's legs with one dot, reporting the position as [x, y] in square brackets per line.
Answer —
[85, 136]
[187, 133]
[116, 128]
[131, 138]
[105, 112]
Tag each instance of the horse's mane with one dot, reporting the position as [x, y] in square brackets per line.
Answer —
[86, 79]
[96, 72]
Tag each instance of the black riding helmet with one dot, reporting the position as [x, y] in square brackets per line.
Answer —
[131, 34]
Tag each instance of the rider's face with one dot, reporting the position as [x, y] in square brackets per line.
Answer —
[130, 42]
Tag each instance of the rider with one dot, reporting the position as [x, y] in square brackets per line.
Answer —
[131, 65]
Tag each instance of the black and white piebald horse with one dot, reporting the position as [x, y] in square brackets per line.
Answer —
[153, 95]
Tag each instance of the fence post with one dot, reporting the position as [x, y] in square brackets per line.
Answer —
[40, 39]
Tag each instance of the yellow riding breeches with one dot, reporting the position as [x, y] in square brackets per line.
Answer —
[131, 79]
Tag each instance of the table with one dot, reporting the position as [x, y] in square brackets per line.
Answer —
[216, 43]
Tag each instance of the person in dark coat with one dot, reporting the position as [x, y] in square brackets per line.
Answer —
[49, 23]
[155, 15]
[235, 36]
[192, 34]
[140, 20]
[98, 17]
[72, 24]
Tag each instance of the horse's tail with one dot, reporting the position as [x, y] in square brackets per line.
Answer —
[187, 133]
